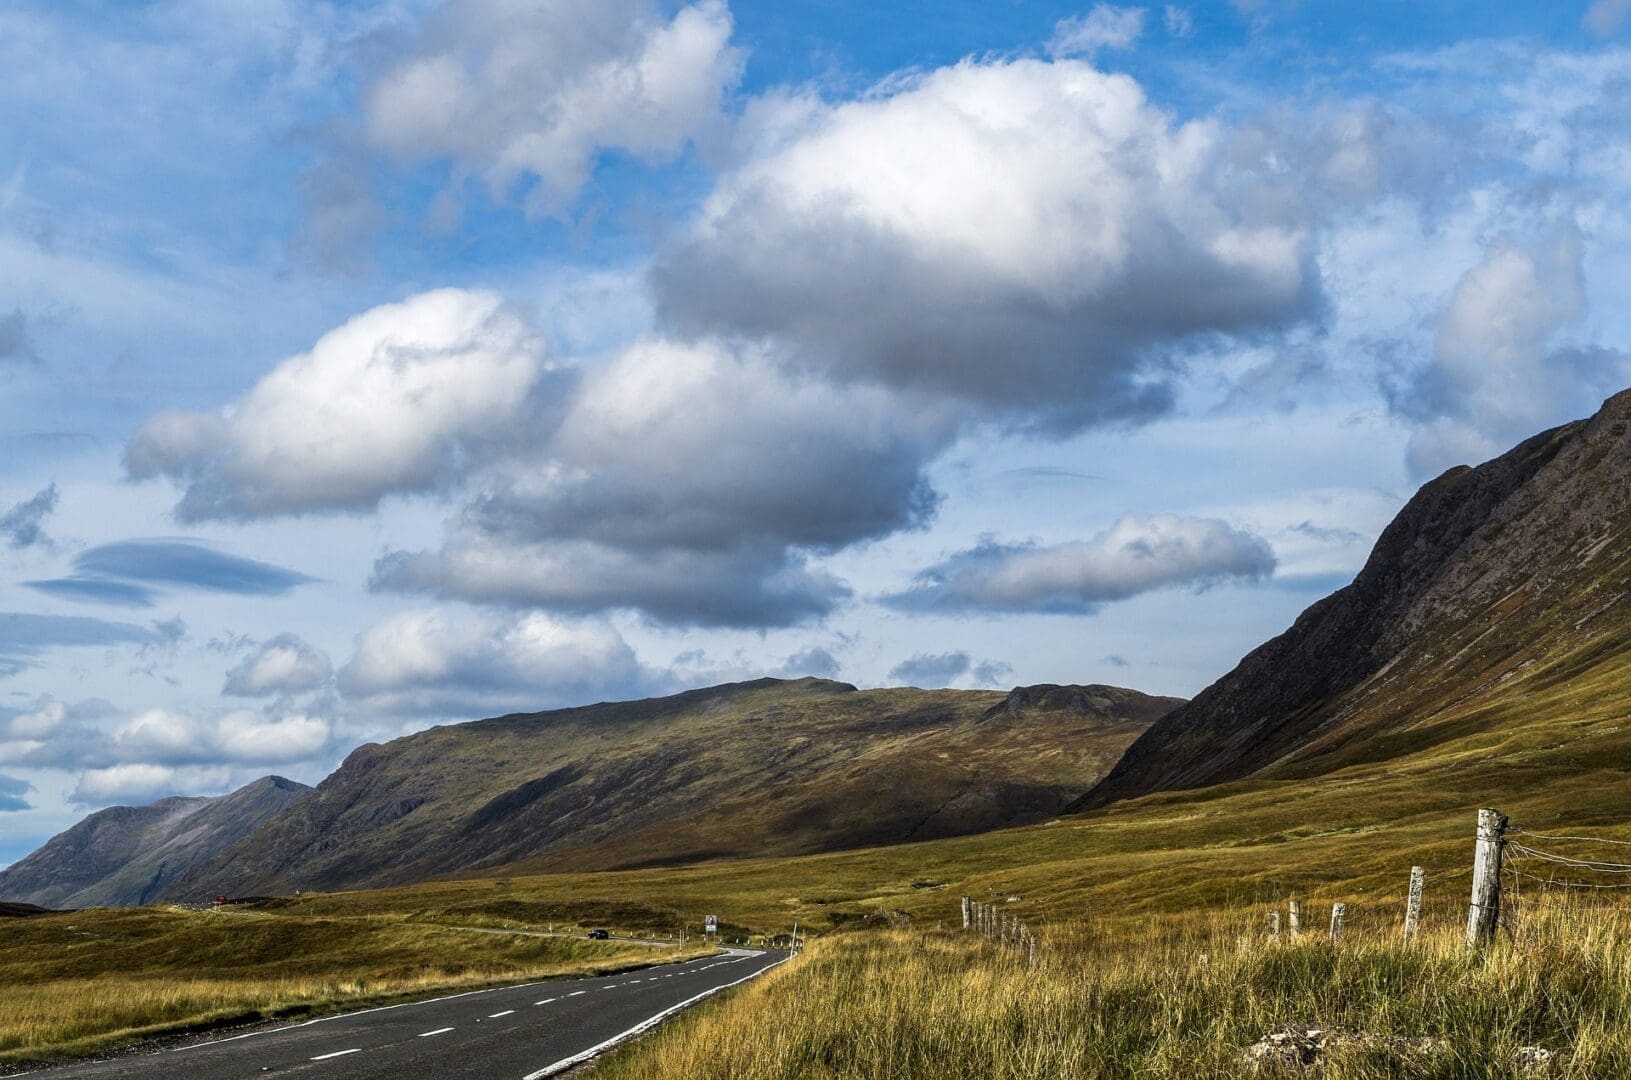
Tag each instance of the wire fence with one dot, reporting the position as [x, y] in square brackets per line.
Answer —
[1536, 870]
[1533, 876]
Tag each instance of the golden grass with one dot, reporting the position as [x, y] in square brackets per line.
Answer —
[76, 983]
[1177, 997]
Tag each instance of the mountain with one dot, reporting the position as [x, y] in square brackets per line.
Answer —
[1491, 584]
[132, 854]
[769, 767]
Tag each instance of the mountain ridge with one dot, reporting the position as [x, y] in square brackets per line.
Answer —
[763, 767]
[1542, 532]
[125, 855]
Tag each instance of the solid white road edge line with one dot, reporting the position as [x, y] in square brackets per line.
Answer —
[644, 1025]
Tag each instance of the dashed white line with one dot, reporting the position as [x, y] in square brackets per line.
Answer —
[644, 1025]
[338, 1053]
[438, 1031]
[577, 993]
[546, 1001]
[495, 1016]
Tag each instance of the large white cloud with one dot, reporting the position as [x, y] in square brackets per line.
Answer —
[1031, 237]
[1503, 364]
[284, 664]
[394, 400]
[443, 661]
[160, 751]
[243, 736]
[689, 482]
[1133, 556]
[507, 89]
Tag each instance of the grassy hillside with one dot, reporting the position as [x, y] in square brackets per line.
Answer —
[1551, 746]
[78, 982]
[1487, 575]
[770, 767]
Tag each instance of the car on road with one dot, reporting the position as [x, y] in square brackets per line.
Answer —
[599, 935]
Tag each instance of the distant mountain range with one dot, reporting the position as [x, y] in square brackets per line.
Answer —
[1492, 583]
[134, 854]
[770, 767]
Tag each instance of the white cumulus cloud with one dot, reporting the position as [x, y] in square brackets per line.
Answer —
[1133, 556]
[513, 89]
[1030, 237]
[388, 402]
[436, 660]
[283, 665]
[1503, 364]
[689, 482]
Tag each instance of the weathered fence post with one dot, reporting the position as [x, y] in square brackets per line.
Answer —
[1296, 918]
[1412, 905]
[965, 912]
[1338, 913]
[1485, 913]
[1274, 925]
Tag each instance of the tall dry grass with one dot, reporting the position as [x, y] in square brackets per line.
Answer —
[1172, 998]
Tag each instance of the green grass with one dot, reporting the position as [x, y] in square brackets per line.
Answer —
[81, 982]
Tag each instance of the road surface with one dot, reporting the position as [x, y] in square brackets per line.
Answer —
[510, 1033]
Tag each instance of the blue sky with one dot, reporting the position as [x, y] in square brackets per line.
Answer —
[368, 366]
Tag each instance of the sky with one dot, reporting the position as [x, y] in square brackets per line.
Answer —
[368, 366]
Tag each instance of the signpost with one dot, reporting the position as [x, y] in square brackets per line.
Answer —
[710, 924]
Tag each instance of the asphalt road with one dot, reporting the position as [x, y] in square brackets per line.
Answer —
[510, 1033]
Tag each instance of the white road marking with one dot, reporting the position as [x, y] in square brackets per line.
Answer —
[577, 993]
[438, 1031]
[338, 1053]
[495, 1016]
[644, 1025]
[546, 1001]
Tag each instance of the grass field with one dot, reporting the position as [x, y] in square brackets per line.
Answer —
[1171, 997]
[76, 983]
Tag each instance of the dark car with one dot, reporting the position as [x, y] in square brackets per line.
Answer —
[599, 935]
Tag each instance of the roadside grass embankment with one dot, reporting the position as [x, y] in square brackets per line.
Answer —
[1177, 997]
[78, 983]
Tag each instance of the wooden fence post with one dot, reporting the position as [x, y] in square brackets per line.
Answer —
[1412, 906]
[1484, 915]
[1296, 919]
[1338, 913]
[965, 913]
[1274, 925]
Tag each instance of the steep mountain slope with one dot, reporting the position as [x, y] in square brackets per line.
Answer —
[1492, 583]
[759, 768]
[131, 854]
